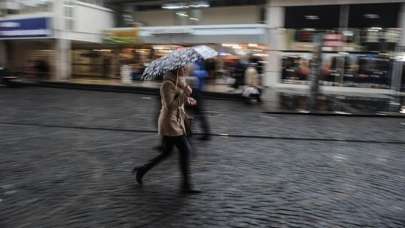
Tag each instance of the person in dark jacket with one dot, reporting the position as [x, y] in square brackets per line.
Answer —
[201, 75]
[239, 74]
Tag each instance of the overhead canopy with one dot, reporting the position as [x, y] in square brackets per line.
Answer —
[250, 33]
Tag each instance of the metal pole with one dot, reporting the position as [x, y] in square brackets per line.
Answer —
[316, 70]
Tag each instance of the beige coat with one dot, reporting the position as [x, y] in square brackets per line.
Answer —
[251, 77]
[172, 114]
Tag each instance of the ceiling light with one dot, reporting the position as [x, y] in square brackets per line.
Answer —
[194, 19]
[201, 4]
[174, 6]
[311, 17]
[371, 16]
[181, 5]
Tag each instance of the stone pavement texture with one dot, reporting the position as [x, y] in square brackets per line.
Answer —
[66, 158]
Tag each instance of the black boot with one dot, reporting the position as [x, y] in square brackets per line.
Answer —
[205, 137]
[140, 172]
[188, 190]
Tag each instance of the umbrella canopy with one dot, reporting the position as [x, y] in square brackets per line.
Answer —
[176, 60]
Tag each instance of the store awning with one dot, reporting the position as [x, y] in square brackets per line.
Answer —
[252, 33]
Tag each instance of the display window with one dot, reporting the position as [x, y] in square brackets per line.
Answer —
[339, 69]
[363, 55]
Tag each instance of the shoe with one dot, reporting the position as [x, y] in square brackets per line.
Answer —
[205, 138]
[140, 172]
[188, 191]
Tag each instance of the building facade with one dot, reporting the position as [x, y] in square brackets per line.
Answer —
[44, 31]
[363, 46]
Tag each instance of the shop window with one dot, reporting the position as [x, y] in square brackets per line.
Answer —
[317, 17]
[27, 6]
[69, 15]
[374, 15]
[354, 70]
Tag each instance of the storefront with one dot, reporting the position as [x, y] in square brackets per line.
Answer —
[362, 54]
[137, 47]
[29, 45]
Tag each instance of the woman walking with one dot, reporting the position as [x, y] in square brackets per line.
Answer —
[174, 94]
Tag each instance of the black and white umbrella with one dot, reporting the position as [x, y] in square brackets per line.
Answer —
[176, 60]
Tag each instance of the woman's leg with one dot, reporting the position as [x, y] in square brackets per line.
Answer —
[184, 160]
[168, 143]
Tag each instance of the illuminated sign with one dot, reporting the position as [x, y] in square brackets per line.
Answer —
[25, 28]
[122, 36]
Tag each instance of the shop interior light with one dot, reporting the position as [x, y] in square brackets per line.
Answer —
[228, 45]
[374, 29]
[348, 33]
[400, 57]
[194, 19]
[182, 14]
[240, 52]
[224, 54]
[101, 50]
[260, 55]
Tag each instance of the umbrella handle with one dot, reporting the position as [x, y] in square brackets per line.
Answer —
[177, 77]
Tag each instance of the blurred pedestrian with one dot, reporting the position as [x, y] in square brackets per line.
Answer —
[239, 74]
[200, 75]
[172, 127]
[252, 89]
[126, 72]
[42, 69]
[106, 66]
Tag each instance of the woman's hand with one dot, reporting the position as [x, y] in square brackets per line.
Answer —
[191, 101]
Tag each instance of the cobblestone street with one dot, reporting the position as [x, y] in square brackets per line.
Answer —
[66, 158]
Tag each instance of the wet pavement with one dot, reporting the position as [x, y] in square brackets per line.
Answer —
[66, 157]
[290, 100]
[338, 103]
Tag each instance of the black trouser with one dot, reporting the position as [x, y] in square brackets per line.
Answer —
[199, 111]
[184, 155]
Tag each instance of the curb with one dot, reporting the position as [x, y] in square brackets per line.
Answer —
[121, 89]
[366, 115]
